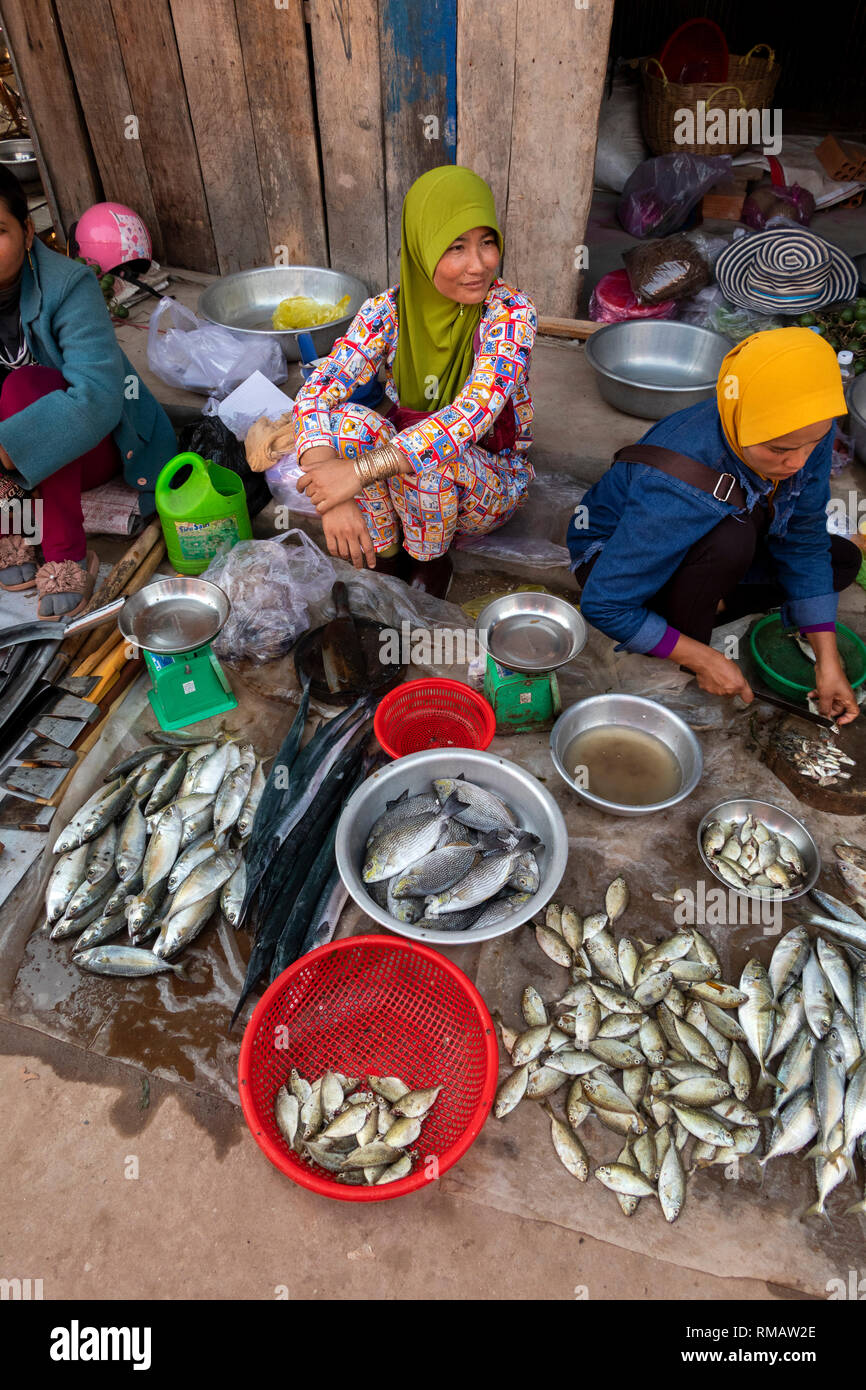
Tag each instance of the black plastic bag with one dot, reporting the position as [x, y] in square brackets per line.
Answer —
[211, 439]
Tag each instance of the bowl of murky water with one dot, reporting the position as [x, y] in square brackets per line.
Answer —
[626, 755]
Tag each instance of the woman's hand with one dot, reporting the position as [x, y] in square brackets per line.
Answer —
[833, 692]
[716, 673]
[348, 536]
[330, 483]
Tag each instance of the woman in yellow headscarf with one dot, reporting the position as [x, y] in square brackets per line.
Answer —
[454, 342]
[722, 509]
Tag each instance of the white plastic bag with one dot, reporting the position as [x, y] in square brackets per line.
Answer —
[184, 351]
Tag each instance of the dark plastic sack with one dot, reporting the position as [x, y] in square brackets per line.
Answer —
[661, 192]
[772, 206]
[672, 268]
[214, 441]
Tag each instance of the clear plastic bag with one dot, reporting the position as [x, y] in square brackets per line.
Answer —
[661, 192]
[669, 269]
[184, 351]
[282, 480]
[771, 205]
[270, 587]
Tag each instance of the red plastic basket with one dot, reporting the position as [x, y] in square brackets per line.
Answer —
[373, 1005]
[433, 713]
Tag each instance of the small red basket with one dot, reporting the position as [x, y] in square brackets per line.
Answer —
[433, 713]
[373, 1005]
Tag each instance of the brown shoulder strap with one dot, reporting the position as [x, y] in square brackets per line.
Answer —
[723, 486]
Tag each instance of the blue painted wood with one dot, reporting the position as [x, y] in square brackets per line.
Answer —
[419, 98]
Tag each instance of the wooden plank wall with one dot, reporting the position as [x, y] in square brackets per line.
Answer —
[273, 130]
[48, 91]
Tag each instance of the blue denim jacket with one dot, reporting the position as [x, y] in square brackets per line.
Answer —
[644, 522]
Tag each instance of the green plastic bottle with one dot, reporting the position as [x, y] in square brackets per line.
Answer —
[200, 512]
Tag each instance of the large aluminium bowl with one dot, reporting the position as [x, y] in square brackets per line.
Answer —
[531, 802]
[20, 156]
[245, 302]
[652, 367]
[634, 712]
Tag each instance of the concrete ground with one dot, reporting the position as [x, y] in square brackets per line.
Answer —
[136, 1176]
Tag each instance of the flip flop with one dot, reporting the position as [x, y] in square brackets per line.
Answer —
[67, 577]
[15, 552]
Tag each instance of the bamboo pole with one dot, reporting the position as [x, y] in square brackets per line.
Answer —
[151, 562]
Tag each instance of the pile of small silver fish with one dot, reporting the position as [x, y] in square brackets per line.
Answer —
[815, 1017]
[659, 1016]
[750, 856]
[816, 758]
[451, 858]
[152, 853]
[357, 1136]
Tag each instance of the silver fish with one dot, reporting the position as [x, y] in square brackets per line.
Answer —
[178, 931]
[232, 894]
[481, 882]
[829, 1172]
[402, 909]
[66, 878]
[828, 1073]
[671, 1184]
[140, 910]
[168, 785]
[105, 811]
[436, 871]
[206, 878]
[393, 1172]
[73, 926]
[253, 797]
[125, 960]
[841, 911]
[101, 857]
[162, 851]
[211, 770]
[756, 1016]
[798, 1123]
[619, 1177]
[199, 823]
[476, 807]
[838, 972]
[87, 894]
[287, 1114]
[145, 777]
[569, 1149]
[103, 929]
[511, 1091]
[71, 837]
[817, 996]
[793, 1019]
[230, 799]
[205, 847]
[788, 959]
[405, 844]
[131, 844]
[855, 1108]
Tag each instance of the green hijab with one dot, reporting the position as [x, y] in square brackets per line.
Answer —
[436, 336]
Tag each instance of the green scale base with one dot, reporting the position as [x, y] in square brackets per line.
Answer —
[187, 688]
[521, 703]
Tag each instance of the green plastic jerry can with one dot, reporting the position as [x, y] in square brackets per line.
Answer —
[200, 511]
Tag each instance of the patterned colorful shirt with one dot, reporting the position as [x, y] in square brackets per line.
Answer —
[500, 374]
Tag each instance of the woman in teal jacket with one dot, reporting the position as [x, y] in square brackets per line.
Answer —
[73, 411]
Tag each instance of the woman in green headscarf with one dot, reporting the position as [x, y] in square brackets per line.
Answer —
[450, 454]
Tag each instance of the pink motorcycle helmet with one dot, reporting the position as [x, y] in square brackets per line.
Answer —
[113, 237]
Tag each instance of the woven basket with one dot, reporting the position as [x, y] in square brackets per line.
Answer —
[751, 80]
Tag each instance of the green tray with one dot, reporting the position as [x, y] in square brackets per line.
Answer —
[784, 667]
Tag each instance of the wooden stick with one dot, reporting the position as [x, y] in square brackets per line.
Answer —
[109, 671]
[151, 562]
[115, 581]
[567, 328]
[89, 665]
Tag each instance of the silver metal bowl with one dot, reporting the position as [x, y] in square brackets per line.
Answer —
[531, 632]
[775, 819]
[174, 615]
[654, 367]
[635, 712]
[531, 802]
[857, 414]
[20, 157]
[245, 302]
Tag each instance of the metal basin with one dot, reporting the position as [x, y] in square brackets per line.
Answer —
[531, 632]
[775, 819]
[245, 302]
[20, 157]
[653, 368]
[531, 802]
[857, 414]
[174, 615]
[635, 712]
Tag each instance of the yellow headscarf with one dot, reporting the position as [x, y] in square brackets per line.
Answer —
[775, 382]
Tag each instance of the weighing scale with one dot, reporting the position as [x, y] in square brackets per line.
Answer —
[527, 637]
[174, 621]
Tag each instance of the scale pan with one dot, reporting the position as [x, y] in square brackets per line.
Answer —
[531, 632]
[174, 615]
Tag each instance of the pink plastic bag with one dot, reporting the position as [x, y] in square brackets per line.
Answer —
[661, 192]
[612, 301]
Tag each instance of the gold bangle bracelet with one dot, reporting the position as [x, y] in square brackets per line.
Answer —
[376, 464]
